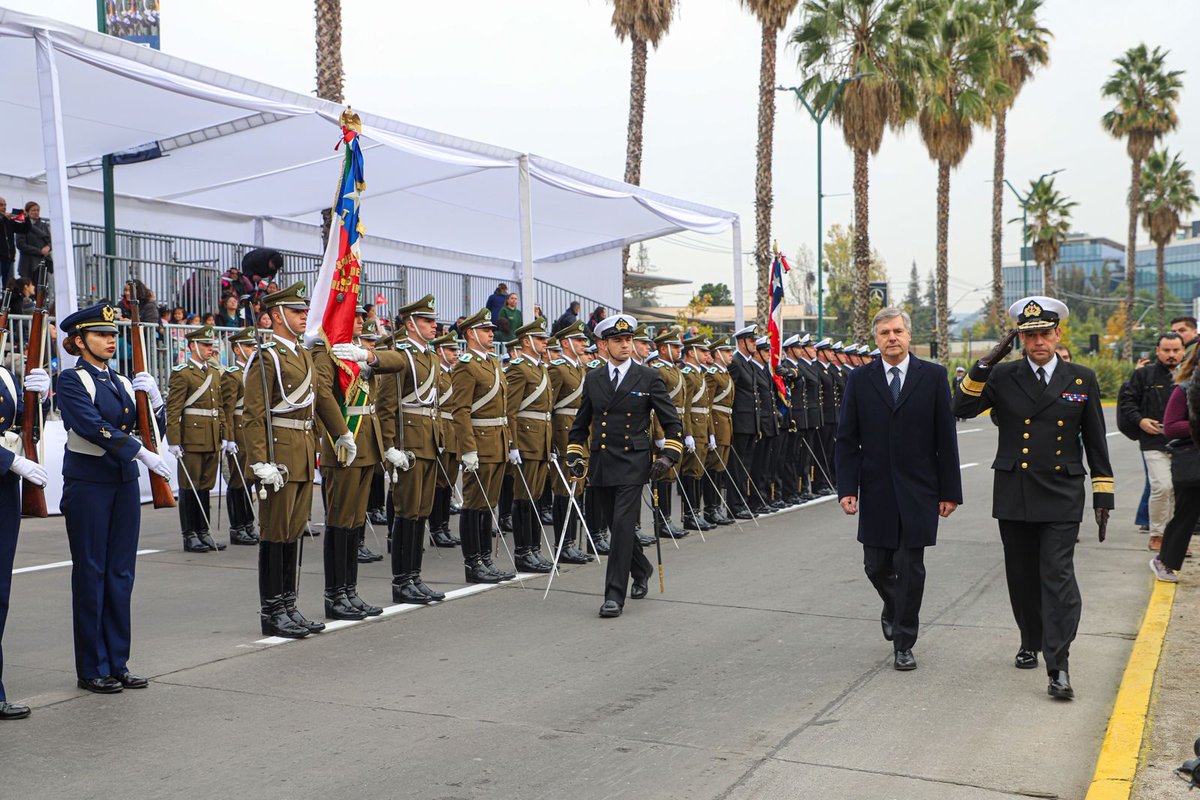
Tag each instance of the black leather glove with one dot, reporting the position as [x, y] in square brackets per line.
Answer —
[997, 353]
[1102, 521]
[659, 469]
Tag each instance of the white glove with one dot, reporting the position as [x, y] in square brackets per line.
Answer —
[350, 352]
[689, 443]
[554, 457]
[268, 475]
[470, 461]
[514, 457]
[229, 447]
[30, 470]
[397, 458]
[144, 382]
[712, 442]
[36, 380]
[154, 462]
[659, 444]
[346, 448]
[175, 450]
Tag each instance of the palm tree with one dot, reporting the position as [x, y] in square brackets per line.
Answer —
[772, 15]
[959, 62]
[330, 76]
[864, 47]
[1023, 46]
[1165, 194]
[642, 22]
[1048, 214]
[1145, 93]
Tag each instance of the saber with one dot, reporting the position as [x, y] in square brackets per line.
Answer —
[246, 489]
[579, 511]
[826, 460]
[662, 583]
[496, 522]
[533, 502]
[724, 505]
[654, 510]
[817, 461]
[562, 541]
[220, 463]
[761, 499]
[742, 497]
[199, 506]
[691, 508]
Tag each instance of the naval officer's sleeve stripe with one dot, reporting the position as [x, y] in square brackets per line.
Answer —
[673, 444]
[575, 449]
[1102, 485]
[973, 388]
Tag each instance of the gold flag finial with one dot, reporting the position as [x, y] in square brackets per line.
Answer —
[350, 120]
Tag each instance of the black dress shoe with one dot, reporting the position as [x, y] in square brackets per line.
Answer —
[506, 523]
[442, 538]
[502, 574]
[360, 604]
[905, 660]
[645, 539]
[1060, 686]
[428, 591]
[208, 542]
[192, 544]
[130, 681]
[408, 592]
[338, 606]
[242, 536]
[13, 711]
[377, 516]
[527, 563]
[778, 505]
[760, 510]
[1026, 659]
[610, 609]
[638, 590]
[743, 513]
[365, 556]
[573, 555]
[885, 622]
[105, 685]
[476, 572]
[547, 516]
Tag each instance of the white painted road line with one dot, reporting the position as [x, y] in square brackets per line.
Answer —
[970, 430]
[1111, 433]
[58, 564]
[968, 465]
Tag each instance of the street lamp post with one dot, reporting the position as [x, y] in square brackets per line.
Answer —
[819, 118]
[1024, 201]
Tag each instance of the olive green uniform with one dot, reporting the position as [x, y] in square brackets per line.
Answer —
[237, 498]
[196, 422]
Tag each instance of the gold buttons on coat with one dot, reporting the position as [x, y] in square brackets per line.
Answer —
[1028, 422]
[1058, 452]
[1057, 468]
[1024, 465]
[1025, 435]
[1024, 449]
[1060, 423]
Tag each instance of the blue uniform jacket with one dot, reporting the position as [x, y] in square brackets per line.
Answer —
[10, 417]
[109, 421]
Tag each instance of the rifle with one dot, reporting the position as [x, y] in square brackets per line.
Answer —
[160, 487]
[33, 497]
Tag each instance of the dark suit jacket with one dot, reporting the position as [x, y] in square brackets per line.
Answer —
[900, 459]
[615, 426]
[745, 396]
[1038, 471]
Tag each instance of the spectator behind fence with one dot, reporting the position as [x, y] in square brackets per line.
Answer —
[209, 319]
[509, 319]
[231, 312]
[235, 282]
[178, 315]
[261, 265]
[568, 318]
[22, 300]
[1141, 403]
[1179, 428]
[10, 225]
[600, 313]
[34, 244]
[497, 301]
[264, 321]
[147, 308]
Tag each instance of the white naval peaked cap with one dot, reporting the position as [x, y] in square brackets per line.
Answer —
[792, 340]
[749, 330]
[616, 325]
[874, 353]
[824, 343]
[805, 340]
[1038, 312]
[762, 341]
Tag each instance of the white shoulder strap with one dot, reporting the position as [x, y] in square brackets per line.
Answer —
[89, 384]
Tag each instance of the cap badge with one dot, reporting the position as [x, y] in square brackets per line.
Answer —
[1032, 310]
[108, 313]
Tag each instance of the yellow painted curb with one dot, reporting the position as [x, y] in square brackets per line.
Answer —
[1117, 765]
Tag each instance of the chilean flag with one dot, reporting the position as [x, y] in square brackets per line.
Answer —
[779, 268]
[335, 296]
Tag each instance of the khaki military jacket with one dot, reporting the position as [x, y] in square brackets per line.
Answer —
[369, 436]
[529, 400]
[566, 385]
[195, 411]
[446, 419]
[699, 403]
[414, 374]
[721, 390]
[677, 393]
[293, 393]
[478, 407]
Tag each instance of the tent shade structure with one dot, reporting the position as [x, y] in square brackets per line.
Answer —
[243, 157]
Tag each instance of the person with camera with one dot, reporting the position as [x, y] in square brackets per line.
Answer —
[10, 226]
[611, 433]
[34, 243]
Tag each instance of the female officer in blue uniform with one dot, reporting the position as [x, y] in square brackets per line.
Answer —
[101, 500]
[13, 467]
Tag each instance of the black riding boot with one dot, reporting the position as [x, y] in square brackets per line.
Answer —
[418, 549]
[337, 575]
[272, 614]
[485, 547]
[188, 519]
[203, 532]
[468, 531]
[291, 574]
[403, 588]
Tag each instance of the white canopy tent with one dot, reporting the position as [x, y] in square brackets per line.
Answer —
[241, 150]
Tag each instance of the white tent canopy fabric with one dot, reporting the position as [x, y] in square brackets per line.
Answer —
[241, 148]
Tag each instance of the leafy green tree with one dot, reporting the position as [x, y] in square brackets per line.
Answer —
[718, 294]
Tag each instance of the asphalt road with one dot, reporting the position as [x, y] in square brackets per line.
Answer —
[761, 673]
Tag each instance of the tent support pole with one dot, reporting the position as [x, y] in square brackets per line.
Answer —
[528, 288]
[739, 317]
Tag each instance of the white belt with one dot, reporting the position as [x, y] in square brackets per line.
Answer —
[292, 424]
[567, 412]
[723, 409]
[421, 411]
[237, 412]
[201, 412]
[359, 411]
[679, 410]
[78, 444]
[544, 416]
[699, 410]
[447, 415]
[489, 422]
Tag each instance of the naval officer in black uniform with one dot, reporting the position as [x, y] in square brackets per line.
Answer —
[1048, 412]
[611, 432]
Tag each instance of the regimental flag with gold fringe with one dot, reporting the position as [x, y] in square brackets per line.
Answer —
[335, 297]
[779, 268]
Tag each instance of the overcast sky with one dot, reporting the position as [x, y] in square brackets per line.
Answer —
[549, 77]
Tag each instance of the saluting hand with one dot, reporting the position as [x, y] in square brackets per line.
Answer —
[1002, 349]
[1102, 521]
[849, 504]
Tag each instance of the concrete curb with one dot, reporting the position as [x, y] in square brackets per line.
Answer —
[1117, 765]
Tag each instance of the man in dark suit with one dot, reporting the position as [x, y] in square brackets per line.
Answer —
[611, 433]
[745, 422]
[897, 460]
[1048, 412]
